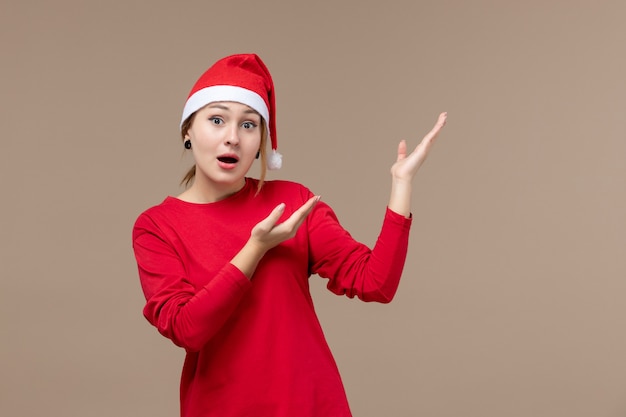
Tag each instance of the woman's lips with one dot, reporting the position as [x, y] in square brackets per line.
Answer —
[227, 161]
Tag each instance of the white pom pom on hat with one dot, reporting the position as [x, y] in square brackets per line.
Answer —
[242, 78]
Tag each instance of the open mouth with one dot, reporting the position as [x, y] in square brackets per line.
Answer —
[228, 159]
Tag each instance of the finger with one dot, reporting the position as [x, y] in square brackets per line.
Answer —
[442, 118]
[441, 122]
[298, 216]
[434, 132]
[306, 208]
[401, 150]
[270, 221]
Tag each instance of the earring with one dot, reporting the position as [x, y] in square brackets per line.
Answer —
[258, 153]
[187, 144]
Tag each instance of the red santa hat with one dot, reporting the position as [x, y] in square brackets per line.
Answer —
[242, 78]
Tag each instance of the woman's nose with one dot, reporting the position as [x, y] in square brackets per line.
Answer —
[232, 137]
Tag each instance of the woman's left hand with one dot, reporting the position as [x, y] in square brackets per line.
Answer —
[406, 166]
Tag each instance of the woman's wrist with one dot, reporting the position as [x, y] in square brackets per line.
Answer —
[248, 258]
[400, 198]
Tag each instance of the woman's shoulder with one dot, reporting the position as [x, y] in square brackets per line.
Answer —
[167, 204]
[166, 209]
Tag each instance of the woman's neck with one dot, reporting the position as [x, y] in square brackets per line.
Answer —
[209, 193]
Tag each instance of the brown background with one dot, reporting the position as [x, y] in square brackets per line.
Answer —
[512, 299]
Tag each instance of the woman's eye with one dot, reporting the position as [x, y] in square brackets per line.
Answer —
[248, 125]
[216, 120]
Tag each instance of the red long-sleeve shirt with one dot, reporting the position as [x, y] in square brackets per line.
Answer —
[255, 347]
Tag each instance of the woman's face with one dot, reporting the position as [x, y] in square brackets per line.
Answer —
[225, 137]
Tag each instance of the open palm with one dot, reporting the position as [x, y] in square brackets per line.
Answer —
[406, 166]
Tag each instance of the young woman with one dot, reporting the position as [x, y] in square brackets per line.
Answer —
[225, 265]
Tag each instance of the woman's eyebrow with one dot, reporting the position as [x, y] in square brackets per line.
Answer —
[225, 107]
[219, 106]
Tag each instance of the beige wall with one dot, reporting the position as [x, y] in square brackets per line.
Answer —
[512, 299]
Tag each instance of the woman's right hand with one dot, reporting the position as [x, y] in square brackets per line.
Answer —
[267, 234]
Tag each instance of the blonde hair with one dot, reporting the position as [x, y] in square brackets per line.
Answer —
[190, 175]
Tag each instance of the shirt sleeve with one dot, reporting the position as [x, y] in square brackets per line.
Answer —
[353, 268]
[182, 313]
